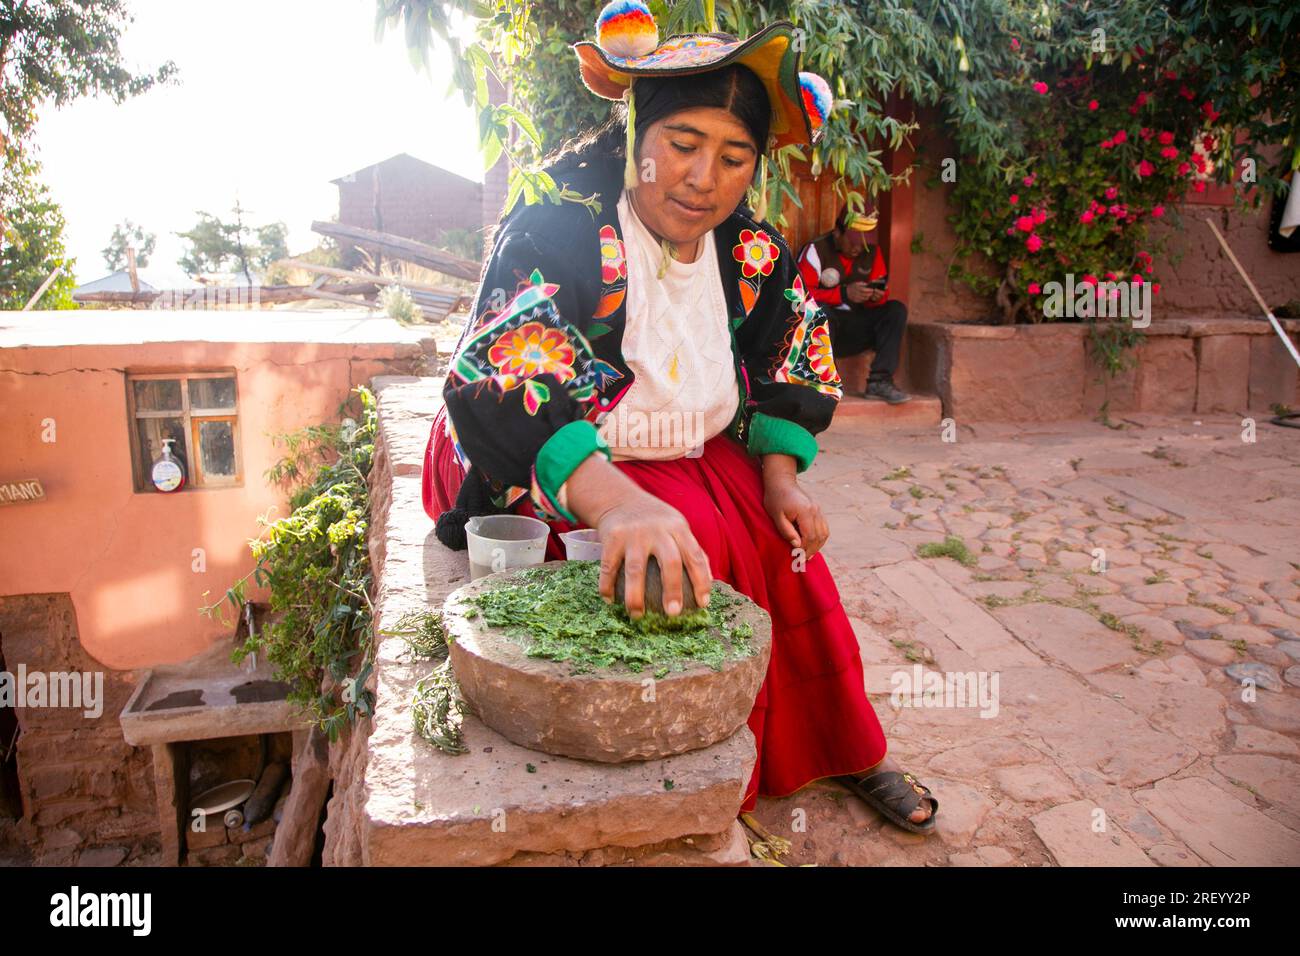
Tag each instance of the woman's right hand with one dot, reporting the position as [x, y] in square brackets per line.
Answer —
[635, 528]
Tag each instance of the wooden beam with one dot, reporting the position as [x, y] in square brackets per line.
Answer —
[130, 268]
[335, 297]
[41, 291]
[368, 276]
[266, 295]
[399, 247]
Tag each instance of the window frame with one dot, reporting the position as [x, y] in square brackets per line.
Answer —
[191, 418]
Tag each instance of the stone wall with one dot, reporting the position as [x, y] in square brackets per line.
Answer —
[1047, 372]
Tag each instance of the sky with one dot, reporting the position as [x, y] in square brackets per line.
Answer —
[273, 99]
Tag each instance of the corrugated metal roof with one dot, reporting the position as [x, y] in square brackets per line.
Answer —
[119, 281]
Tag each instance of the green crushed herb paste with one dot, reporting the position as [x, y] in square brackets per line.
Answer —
[557, 612]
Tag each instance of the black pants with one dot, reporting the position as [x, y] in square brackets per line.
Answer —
[861, 327]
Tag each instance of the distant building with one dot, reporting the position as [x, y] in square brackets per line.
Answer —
[119, 281]
[408, 197]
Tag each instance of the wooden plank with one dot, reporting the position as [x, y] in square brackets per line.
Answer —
[399, 247]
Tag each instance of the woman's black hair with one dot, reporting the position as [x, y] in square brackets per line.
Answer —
[735, 88]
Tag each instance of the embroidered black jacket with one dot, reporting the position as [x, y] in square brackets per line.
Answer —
[540, 364]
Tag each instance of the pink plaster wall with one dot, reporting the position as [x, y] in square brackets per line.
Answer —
[127, 558]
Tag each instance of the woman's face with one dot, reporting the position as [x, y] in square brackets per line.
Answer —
[703, 161]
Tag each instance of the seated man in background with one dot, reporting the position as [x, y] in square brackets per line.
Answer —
[847, 276]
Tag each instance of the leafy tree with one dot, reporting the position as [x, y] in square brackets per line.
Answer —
[125, 234]
[31, 246]
[59, 50]
[219, 246]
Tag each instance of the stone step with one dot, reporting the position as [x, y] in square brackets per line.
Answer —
[923, 411]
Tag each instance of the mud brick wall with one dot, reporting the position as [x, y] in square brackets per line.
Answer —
[82, 786]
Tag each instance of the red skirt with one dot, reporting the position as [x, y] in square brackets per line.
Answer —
[811, 718]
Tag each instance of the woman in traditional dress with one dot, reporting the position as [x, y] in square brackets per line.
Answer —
[656, 370]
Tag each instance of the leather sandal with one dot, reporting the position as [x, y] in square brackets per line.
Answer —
[896, 795]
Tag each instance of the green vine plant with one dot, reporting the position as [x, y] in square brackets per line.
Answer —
[1113, 349]
[319, 635]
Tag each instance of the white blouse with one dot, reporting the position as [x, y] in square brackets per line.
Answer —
[677, 343]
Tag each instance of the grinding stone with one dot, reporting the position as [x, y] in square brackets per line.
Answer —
[600, 715]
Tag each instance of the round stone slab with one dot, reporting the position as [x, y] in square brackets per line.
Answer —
[601, 715]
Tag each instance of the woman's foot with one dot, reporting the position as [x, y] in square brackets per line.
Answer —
[924, 811]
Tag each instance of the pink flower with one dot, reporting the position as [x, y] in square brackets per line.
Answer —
[1033, 243]
[1094, 105]
[1015, 44]
[1040, 216]
[1169, 152]
[1184, 169]
[1011, 230]
[1199, 186]
[1145, 168]
[1199, 162]
[1107, 144]
[1155, 288]
[1137, 278]
[1025, 224]
[1110, 276]
[1146, 132]
[1086, 216]
[1166, 138]
[1112, 192]
[1170, 75]
[1210, 112]
[1040, 87]
[1186, 94]
[1015, 198]
[1207, 142]
[1028, 180]
[1141, 100]
[1034, 288]
[1089, 279]
[1133, 111]
[1120, 137]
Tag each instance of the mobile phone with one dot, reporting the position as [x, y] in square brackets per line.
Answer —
[878, 284]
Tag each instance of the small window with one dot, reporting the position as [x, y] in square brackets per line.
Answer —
[198, 411]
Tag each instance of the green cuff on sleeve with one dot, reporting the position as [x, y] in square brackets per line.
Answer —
[769, 435]
[559, 457]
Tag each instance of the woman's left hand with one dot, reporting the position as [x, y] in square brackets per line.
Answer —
[796, 516]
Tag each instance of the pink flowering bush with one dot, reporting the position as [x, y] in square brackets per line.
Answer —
[1101, 146]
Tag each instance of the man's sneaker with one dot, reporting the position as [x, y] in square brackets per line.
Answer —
[887, 391]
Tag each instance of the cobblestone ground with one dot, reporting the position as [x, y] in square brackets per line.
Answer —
[1147, 709]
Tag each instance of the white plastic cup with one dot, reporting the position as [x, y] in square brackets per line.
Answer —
[582, 545]
[498, 542]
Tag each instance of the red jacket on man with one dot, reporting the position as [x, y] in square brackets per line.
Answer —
[811, 266]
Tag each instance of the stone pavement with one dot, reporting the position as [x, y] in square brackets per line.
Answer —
[1130, 596]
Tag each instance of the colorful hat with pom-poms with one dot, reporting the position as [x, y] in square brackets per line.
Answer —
[627, 46]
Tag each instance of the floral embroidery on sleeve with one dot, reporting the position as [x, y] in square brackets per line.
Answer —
[757, 254]
[525, 339]
[613, 276]
[807, 358]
